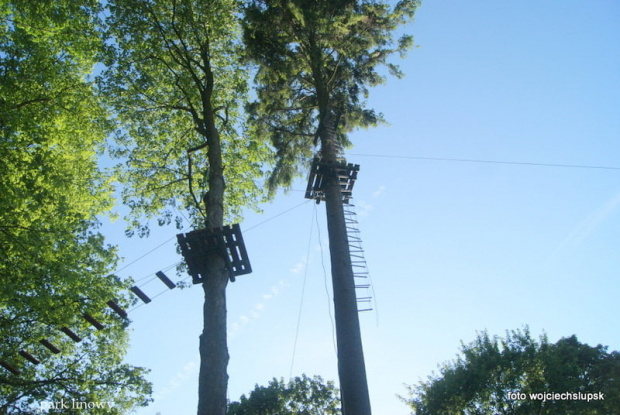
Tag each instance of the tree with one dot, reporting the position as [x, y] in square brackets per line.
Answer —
[511, 375]
[175, 82]
[300, 396]
[54, 265]
[316, 61]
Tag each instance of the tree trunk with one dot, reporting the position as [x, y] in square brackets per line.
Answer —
[213, 376]
[351, 367]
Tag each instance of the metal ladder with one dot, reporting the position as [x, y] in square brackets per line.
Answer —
[358, 261]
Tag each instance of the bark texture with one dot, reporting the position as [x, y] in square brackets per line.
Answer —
[213, 376]
[351, 366]
[214, 357]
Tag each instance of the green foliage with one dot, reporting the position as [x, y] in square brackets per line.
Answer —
[316, 60]
[300, 396]
[174, 79]
[54, 265]
[492, 371]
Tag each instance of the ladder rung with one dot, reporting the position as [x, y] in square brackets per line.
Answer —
[93, 321]
[165, 280]
[10, 368]
[49, 346]
[29, 357]
[137, 291]
[71, 334]
[117, 309]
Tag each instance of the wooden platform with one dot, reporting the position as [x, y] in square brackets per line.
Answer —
[226, 241]
[320, 171]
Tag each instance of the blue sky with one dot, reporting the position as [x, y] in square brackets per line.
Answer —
[453, 247]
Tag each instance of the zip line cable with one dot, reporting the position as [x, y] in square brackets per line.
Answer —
[153, 297]
[391, 156]
[174, 237]
[303, 291]
[514, 163]
[147, 253]
[167, 268]
[278, 215]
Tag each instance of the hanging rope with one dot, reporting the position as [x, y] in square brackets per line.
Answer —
[303, 290]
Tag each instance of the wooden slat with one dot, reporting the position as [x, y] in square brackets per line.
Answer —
[10, 368]
[29, 357]
[71, 334]
[93, 321]
[117, 309]
[49, 346]
[137, 291]
[165, 279]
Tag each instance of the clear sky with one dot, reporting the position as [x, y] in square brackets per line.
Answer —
[453, 247]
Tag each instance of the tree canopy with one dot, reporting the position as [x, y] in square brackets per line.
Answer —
[316, 61]
[176, 82]
[54, 265]
[301, 396]
[520, 375]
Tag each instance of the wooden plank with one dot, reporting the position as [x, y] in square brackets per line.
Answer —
[71, 334]
[165, 280]
[94, 322]
[140, 294]
[117, 309]
[238, 260]
[10, 368]
[196, 247]
[49, 346]
[29, 357]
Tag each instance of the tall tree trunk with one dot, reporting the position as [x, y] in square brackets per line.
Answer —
[351, 367]
[213, 376]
